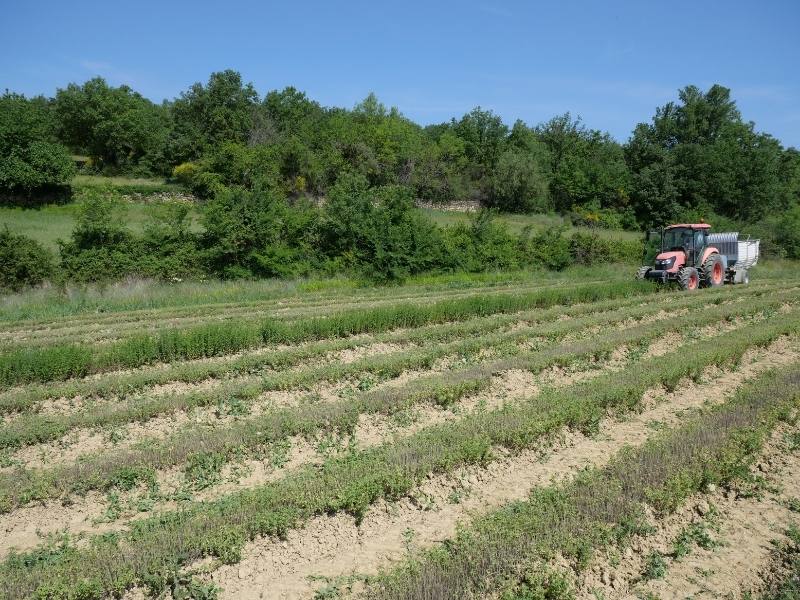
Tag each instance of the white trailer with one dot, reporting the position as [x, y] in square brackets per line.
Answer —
[739, 255]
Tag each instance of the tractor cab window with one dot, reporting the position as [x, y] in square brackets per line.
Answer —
[699, 239]
[679, 239]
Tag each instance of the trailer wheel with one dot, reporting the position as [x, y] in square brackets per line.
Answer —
[713, 272]
[689, 279]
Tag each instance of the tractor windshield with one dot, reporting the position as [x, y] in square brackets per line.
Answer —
[679, 238]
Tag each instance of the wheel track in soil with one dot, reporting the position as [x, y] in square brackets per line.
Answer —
[333, 546]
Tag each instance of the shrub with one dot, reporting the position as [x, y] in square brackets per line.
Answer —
[100, 248]
[519, 183]
[185, 172]
[169, 250]
[258, 234]
[787, 232]
[482, 245]
[23, 262]
[590, 249]
[549, 249]
[378, 231]
[604, 218]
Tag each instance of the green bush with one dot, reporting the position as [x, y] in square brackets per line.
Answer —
[787, 232]
[23, 262]
[378, 231]
[169, 250]
[258, 234]
[100, 248]
[590, 249]
[604, 218]
[520, 183]
[485, 244]
[549, 249]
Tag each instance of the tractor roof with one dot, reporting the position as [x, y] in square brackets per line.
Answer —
[691, 226]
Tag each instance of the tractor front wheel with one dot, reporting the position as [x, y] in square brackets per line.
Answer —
[713, 272]
[689, 278]
[642, 273]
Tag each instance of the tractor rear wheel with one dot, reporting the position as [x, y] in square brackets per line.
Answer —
[689, 278]
[642, 272]
[713, 271]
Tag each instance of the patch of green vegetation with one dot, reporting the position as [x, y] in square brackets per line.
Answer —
[655, 567]
[354, 481]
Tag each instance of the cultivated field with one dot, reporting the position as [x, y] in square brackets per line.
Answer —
[466, 438]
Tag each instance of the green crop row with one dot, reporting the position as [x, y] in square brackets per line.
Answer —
[597, 508]
[148, 300]
[125, 384]
[37, 428]
[154, 549]
[115, 326]
[61, 362]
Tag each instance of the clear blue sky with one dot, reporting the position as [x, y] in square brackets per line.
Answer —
[611, 62]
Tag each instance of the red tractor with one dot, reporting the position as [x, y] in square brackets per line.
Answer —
[691, 256]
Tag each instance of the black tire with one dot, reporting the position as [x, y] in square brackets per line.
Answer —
[640, 274]
[713, 271]
[689, 279]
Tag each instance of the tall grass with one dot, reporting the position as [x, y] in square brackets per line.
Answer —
[85, 302]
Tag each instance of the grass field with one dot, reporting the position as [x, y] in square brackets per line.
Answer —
[509, 436]
[52, 222]
[55, 221]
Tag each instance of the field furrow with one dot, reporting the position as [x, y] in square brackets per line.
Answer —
[720, 544]
[101, 470]
[330, 549]
[528, 547]
[339, 483]
[495, 439]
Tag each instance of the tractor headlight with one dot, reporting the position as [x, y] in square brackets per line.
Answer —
[665, 263]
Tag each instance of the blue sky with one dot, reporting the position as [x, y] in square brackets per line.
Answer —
[611, 62]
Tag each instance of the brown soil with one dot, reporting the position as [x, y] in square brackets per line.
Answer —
[372, 430]
[744, 529]
[332, 546]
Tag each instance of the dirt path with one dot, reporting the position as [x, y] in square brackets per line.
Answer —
[333, 546]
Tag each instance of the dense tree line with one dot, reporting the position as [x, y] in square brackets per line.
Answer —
[696, 155]
[262, 165]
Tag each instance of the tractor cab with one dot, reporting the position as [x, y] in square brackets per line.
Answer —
[682, 245]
